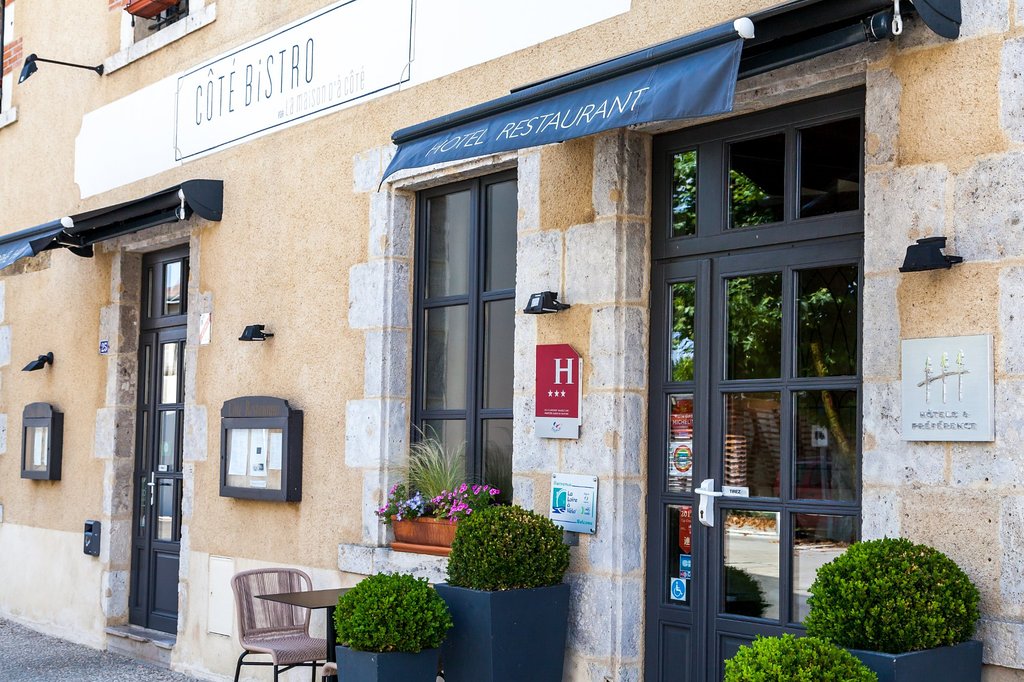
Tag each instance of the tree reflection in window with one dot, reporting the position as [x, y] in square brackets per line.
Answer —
[684, 194]
[755, 326]
[683, 346]
[757, 180]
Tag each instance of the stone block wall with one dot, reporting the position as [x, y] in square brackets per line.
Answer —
[945, 131]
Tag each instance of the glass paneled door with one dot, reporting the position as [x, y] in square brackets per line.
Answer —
[158, 480]
[754, 452]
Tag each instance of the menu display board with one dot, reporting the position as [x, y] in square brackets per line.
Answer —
[261, 449]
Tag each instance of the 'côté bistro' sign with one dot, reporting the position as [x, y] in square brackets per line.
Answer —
[321, 62]
[948, 389]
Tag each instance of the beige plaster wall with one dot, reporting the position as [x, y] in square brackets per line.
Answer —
[294, 227]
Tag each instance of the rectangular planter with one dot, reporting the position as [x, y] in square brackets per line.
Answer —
[368, 666]
[961, 663]
[424, 535]
[506, 636]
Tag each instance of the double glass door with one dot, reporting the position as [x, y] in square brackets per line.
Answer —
[754, 453]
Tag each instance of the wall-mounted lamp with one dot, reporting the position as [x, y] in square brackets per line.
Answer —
[544, 302]
[30, 66]
[927, 254]
[39, 363]
[254, 332]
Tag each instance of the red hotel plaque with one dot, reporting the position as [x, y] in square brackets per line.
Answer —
[559, 391]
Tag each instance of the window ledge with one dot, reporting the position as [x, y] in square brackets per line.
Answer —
[193, 22]
[368, 560]
[8, 117]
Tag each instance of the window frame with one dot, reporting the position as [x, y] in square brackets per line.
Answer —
[474, 414]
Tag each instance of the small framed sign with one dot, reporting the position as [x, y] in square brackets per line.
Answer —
[948, 389]
[559, 391]
[574, 502]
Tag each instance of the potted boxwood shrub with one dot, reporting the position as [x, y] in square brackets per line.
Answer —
[906, 610]
[792, 659]
[507, 598]
[389, 629]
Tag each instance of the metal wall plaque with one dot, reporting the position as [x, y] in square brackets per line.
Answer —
[559, 391]
[574, 502]
[948, 389]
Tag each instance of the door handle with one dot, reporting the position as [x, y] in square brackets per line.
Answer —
[706, 509]
[152, 485]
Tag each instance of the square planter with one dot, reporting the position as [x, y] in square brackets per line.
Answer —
[368, 666]
[505, 636]
[961, 663]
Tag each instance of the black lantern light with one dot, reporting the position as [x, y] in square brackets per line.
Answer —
[545, 302]
[254, 332]
[30, 66]
[38, 363]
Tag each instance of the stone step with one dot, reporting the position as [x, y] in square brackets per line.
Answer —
[141, 644]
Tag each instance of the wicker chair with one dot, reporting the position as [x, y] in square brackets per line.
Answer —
[268, 627]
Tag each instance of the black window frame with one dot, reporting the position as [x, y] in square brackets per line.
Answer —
[476, 298]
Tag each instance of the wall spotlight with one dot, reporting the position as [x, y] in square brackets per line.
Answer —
[39, 363]
[254, 332]
[927, 254]
[30, 66]
[544, 302]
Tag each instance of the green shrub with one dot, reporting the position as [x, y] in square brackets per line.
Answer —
[744, 596]
[789, 659]
[507, 548]
[892, 596]
[392, 612]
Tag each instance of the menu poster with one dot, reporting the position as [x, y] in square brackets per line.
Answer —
[275, 449]
[39, 447]
[238, 452]
[686, 530]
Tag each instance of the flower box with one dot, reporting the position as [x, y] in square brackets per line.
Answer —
[148, 9]
[423, 535]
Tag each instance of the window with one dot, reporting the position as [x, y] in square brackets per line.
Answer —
[13, 59]
[164, 22]
[465, 322]
[145, 27]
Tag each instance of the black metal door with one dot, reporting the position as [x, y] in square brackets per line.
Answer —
[755, 377]
[159, 420]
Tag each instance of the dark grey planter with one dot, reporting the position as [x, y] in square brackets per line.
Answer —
[367, 666]
[508, 636]
[961, 663]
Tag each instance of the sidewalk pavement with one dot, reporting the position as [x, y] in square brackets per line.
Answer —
[29, 656]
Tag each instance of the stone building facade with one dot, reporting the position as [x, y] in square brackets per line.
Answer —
[316, 243]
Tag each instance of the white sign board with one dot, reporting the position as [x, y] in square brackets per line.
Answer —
[321, 62]
[574, 502]
[948, 389]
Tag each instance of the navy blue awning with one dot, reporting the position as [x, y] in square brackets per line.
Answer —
[79, 232]
[683, 79]
[30, 242]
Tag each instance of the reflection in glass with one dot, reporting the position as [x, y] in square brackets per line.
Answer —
[499, 333]
[680, 443]
[168, 439]
[448, 219]
[444, 371]
[144, 493]
[684, 194]
[751, 451]
[680, 555]
[37, 448]
[149, 292]
[757, 181]
[500, 255]
[751, 579]
[498, 456]
[817, 539]
[754, 327]
[826, 445]
[451, 432]
[173, 289]
[165, 504]
[830, 157]
[827, 331]
[169, 373]
[684, 302]
[147, 379]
